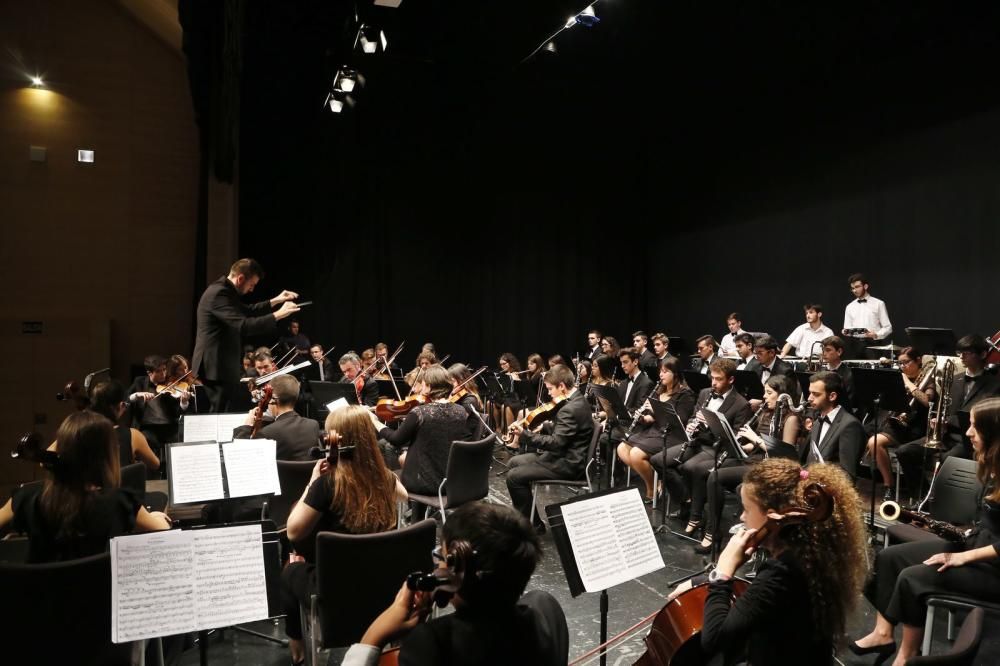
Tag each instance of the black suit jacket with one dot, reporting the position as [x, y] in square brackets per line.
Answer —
[780, 367]
[640, 390]
[846, 376]
[843, 443]
[312, 372]
[563, 447]
[987, 386]
[294, 435]
[735, 408]
[369, 394]
[649, 364]
[223, 321]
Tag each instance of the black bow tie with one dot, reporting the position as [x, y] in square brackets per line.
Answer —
[862, 300]
[713, 395]
[826, 419]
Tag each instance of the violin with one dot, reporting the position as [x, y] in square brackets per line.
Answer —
[258, 412]
[535, 416]
[460, 391]
[675, 634]
[30, 448]
[177, 388]
[388, 410]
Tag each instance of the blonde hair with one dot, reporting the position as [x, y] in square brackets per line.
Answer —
[364, 488]
[832, 553]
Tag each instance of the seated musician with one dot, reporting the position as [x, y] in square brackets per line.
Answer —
[593, 345]
[802, 339]
[734, 322]
[744, 351]
[295, 340]
[833, 354]
[661, 347]
[263, 361]
[155, 417]
[583, 373]
[633, 390]
[494, 621]
[321, 369]
[460, 373]
[427, 433]
[425, 359]
[906, 574]
[686, 466]
[836, 436]
[355, 495]
[779, 422]
[646, 438]
[708, 351]
[108, 400]
[536, 369]
[367, 358]
[797, 607]
[81, 505]
[610, 346]
[510, 372]
[967, 389]
[647, 360]
[895, 429]
[767, 363]
[294, 436]
[350, 365]
[563, 443]
[382, 352]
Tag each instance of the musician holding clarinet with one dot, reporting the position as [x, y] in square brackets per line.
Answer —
[906, 574]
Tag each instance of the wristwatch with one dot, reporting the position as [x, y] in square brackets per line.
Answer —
[717, 576]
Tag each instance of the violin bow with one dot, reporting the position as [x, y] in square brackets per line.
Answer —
[172, 384]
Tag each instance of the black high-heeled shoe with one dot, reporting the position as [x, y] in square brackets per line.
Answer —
[884, 651]
[703, 548]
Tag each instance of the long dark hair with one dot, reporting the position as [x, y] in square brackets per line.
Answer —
[88, 459]
[363, 488]
[106, 398]
[515, 365]
[987, 416]
[673, 365]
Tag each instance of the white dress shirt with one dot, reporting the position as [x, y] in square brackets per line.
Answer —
[825, 427]
[766, 370]
[870, 315]
[715, 403]
[631, 383]
[704, 364]
[804, 336]
[728, 344]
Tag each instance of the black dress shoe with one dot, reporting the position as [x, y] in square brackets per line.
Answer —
[703, 549]
[883, 651]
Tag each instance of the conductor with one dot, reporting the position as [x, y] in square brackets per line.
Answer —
[224, 319]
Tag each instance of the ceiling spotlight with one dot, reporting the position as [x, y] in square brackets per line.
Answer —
[588, 17]
[550, 47]
[346, 79]
[37, 82]
[335, 104]
[370, 39]
[337, 100]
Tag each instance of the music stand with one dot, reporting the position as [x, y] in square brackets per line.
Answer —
[748, 385]
[677, 347]
[527, 392]
[884, 390]
[697, 381]
[323, 393]
[617, 413]
[935, 341]
[667, 419]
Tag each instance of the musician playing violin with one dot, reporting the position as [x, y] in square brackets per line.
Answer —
[797, 606]
[906, 574]
[155, 417]
[350, 365]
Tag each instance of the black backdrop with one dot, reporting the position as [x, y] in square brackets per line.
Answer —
[666, 168]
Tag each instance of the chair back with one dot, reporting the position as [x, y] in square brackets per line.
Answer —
[358, 576]
[293, 476]
[62, 612]
[469, 471]
[957, 491]
[134, 479]
[963, 652]
[595, 441]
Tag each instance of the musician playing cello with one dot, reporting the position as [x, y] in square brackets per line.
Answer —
[906, 574]
[797, 606]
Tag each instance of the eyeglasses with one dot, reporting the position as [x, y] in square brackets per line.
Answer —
[906, 362]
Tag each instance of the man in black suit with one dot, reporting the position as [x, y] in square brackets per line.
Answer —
[633, 391]
[647, 360]
[685, 467]
[833, 352]
[661, 349]
[973, 386]
[836, 436]
[563, 442]
[593, 345]
[767, 363]
[294, 435]
[224, 319]
[350, 365]
[321, 369]
[708, 353]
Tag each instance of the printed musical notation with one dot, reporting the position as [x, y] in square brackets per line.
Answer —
[195, 473]
[251, 467]
[174, 582]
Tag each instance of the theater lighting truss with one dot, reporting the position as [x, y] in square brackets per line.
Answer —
[587, 17]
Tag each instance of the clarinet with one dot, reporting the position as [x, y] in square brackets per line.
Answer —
[639, 413]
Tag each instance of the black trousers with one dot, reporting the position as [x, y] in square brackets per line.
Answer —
[902, 582]
[727, 477]
[298, 582]
[688, 478]
[524, 469]
[912, 457]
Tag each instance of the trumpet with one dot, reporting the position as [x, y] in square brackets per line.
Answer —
[892, 511]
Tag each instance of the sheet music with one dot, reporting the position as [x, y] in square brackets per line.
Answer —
[251, 467]
[195, 473]
[227, 423]
[612, 539]
[336, 404]
[228, 573]
[201, 427]
[174, 582]
[151, 587]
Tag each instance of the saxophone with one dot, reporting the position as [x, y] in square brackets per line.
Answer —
[937, 415]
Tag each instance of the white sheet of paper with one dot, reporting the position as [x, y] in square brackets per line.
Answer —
[336, 404]
[228, 573]
[173, 582]
[228, 423]
[201, 427]
[251, 467]
[152, 589]
[196, 473]
[612, 539]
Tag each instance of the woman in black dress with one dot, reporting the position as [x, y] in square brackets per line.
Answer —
[906, 574]
[646, 438]
[81, 504]
[797, 606]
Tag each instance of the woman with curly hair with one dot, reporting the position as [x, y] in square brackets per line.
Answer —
[906, 574]
[798, 603]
